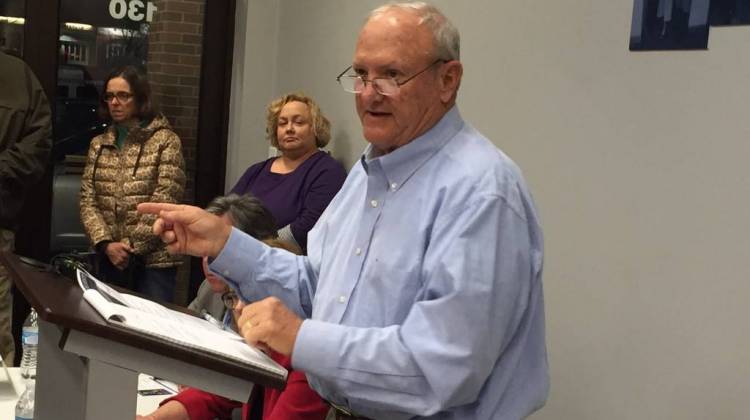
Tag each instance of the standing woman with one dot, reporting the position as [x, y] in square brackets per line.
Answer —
[297, 185]
[138, 159]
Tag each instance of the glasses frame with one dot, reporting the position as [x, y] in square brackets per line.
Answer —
[225, 299]
[398, 84]
[117, 95]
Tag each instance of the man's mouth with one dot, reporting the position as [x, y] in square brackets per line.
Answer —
[377, 114]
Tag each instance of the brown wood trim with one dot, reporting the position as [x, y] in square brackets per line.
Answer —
[213, 108]
[40, 42]
[216, 79]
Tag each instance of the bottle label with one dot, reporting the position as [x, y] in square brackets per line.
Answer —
[30, 337]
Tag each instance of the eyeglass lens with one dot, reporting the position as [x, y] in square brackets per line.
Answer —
[355, 84]
[121, 96]
[230, 299]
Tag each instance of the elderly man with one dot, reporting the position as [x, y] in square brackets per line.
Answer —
[421, 295]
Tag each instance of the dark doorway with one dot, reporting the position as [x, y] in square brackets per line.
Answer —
[185, 47]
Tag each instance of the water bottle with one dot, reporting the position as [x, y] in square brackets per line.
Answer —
[29, 339]
[25, 405]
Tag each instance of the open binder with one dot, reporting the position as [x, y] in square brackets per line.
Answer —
[150, 318]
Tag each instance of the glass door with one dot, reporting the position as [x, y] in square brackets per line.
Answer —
[11, 26]
[184, 47]
[162, 38]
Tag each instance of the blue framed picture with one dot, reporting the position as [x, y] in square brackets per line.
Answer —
[730, 12]
[670, 25]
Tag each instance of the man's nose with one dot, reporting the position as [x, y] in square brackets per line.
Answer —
[369, 93]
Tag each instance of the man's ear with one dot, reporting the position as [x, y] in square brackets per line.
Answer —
[450, 80]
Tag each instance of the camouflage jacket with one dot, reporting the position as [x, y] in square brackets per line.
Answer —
[149, 167]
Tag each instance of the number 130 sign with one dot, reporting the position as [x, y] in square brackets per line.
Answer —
[136, 10]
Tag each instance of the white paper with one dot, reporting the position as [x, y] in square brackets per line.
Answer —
[157, 320]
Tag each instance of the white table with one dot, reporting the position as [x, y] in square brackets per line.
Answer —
[8, 397]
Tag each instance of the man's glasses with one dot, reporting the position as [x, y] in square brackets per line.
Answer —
[386, 86]
[122, 97]
[230, 299]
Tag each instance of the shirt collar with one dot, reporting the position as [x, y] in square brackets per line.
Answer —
[401, 163]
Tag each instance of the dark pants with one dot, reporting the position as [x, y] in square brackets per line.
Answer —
[157, 283]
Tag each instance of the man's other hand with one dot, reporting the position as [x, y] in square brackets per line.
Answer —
[270, 324]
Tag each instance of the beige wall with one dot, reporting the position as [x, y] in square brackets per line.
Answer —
[637, 164]
[253, 80]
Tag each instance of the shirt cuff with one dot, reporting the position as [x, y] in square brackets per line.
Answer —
[316, 349]
[232, 262]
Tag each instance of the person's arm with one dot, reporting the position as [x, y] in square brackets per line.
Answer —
[257, 271]
[326, 182]
[296, 402]
[169, 410]
[481, 273]
[93, 222]
[24, 161]
[194, 404]
[170, 186]
[252, 268]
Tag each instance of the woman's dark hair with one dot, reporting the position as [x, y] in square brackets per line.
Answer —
[140, 88]
[247, 214]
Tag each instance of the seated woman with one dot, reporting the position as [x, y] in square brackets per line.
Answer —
[297, 185]
[138, 159]
[297, 400]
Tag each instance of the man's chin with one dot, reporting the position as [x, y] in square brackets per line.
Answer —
[381, 141]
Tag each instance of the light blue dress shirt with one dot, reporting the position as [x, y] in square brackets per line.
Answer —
[422, 291]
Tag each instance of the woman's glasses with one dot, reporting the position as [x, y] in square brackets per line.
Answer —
[122, 97]
[230, 299]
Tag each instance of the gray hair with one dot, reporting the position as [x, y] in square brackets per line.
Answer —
[446, 39]
[246, 213]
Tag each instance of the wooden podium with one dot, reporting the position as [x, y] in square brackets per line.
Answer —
[88, 369]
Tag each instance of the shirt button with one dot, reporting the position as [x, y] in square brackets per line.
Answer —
[394, 186]
[226, 273]
[342, 299]
[357, 251]
[374, 203]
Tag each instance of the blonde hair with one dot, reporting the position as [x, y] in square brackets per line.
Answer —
[320, 125]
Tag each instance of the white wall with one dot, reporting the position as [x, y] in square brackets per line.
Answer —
[253, 79]
[637, 164]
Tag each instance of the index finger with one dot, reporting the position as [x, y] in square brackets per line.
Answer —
[155, 208]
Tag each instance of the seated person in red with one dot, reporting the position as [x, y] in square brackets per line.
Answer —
[297, 185]
[297, 400]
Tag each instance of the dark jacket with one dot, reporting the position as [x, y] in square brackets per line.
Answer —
[25, 135]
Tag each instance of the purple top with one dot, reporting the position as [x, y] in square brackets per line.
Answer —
[296, 199]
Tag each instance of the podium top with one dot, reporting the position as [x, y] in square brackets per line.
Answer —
[59, 300]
